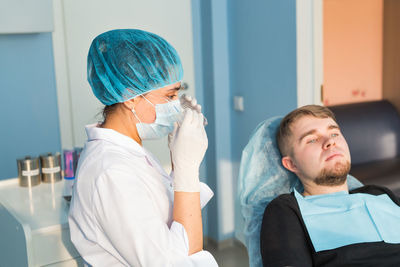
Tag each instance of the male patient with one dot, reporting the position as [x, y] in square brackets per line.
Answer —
[326, 225]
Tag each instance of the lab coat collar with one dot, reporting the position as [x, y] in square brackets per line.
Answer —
[96, 133]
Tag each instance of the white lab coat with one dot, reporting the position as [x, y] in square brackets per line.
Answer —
[121, 208]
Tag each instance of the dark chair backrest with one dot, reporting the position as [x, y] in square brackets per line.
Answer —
[372, 130]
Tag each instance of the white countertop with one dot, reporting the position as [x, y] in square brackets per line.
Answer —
[40, 207]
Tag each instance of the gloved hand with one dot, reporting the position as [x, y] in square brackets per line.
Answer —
[188, 144]
[189, 102]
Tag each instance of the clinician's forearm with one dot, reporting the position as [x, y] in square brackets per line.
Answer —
[187, 211]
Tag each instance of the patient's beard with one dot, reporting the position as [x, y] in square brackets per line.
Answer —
[334, 176]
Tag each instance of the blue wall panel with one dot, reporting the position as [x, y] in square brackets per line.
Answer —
[28, 101]
[262, 50]
[263, 63]
[202, 40]
[262, 69]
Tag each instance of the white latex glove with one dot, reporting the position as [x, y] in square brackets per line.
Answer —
[189, 102]
[188, 144]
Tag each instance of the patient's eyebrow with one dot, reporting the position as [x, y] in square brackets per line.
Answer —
[313, 131]
[333, 126]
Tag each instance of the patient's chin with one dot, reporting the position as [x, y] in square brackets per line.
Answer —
[333, 176]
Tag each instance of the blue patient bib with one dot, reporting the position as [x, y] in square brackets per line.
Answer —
[340, 219]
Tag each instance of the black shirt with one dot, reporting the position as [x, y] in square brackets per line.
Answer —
[284, 239]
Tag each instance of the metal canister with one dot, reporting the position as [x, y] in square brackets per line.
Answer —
[28, 171]
[51, 167]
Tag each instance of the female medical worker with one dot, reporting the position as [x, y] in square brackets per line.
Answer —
[125, 210]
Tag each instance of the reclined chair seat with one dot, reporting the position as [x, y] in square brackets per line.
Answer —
[372, 130]
[384, 173]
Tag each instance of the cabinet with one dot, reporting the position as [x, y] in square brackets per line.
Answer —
[26, 16]
[34, 227]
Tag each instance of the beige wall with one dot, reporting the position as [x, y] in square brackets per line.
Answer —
[352, 45]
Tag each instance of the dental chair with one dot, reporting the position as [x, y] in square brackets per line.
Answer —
[261, 179]
[372, 130]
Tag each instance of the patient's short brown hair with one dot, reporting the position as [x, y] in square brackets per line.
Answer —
[284, 133]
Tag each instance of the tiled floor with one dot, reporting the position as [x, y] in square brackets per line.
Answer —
[231, 256]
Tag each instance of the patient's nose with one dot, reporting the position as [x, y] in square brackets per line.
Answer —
[329, 142]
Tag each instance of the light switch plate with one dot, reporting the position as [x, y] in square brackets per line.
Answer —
[238, 103]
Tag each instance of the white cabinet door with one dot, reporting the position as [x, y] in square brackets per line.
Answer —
[78, 22]
[24, 16]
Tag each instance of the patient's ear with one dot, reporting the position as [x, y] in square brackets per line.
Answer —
[289, 164]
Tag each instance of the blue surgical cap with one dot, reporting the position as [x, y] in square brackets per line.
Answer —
[262, 178]
[123, 64]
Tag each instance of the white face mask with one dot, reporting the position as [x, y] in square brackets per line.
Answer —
[166, 115]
